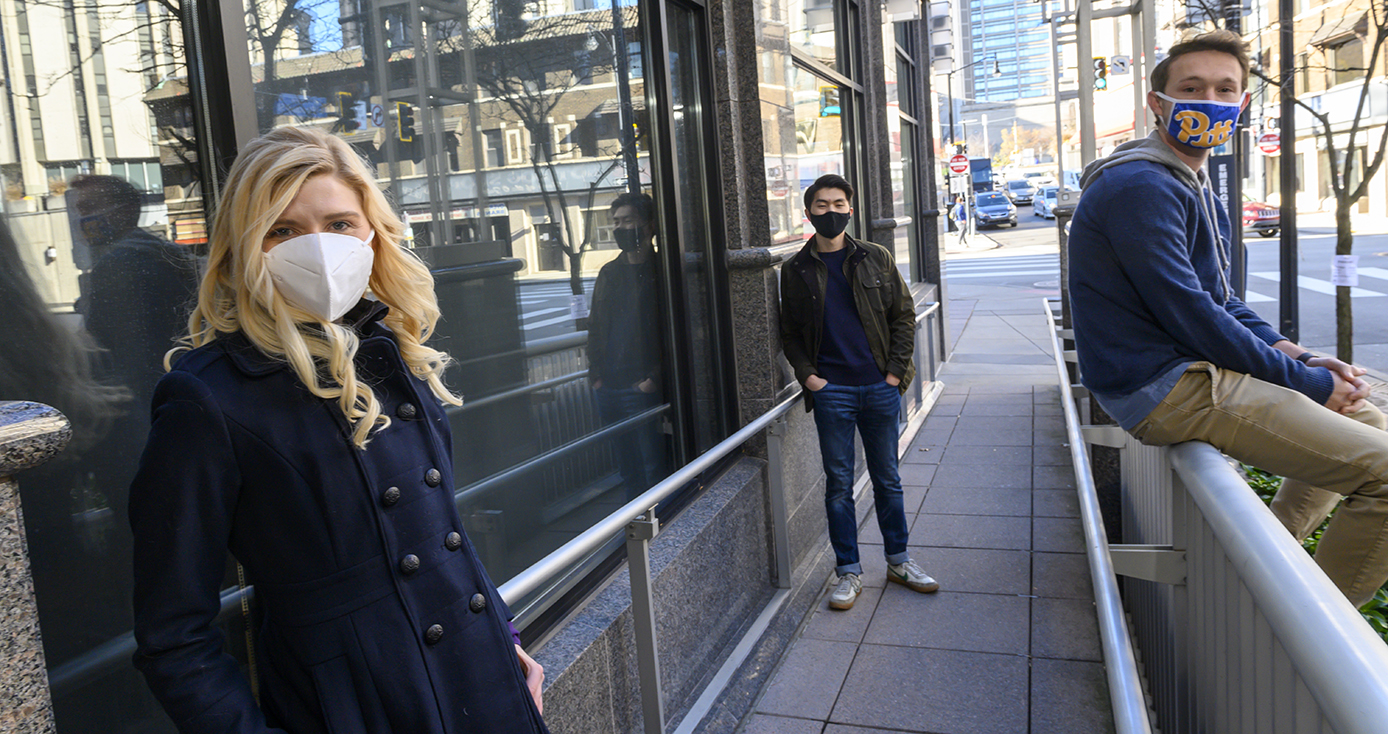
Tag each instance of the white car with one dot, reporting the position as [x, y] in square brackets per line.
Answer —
[1043, 205]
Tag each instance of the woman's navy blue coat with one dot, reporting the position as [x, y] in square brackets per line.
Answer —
[379, 616]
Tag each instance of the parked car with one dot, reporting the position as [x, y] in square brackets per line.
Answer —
[992, 209]
[1019, 190]
[1262, 218]
[1043, 205]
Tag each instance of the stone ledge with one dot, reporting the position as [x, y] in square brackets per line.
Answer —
[30, 434]
[712, 571]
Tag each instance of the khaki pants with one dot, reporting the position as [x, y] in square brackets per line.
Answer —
[1324, 455]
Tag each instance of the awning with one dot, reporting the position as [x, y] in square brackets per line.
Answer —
[1337, 29]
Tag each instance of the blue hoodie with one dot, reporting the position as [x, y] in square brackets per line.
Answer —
[1149, 286]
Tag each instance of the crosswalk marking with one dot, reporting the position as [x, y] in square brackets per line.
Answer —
[1047, 266]
[1316, 285]
[532, 314]
[1036, 266]
[547, 322]
[1378, 273]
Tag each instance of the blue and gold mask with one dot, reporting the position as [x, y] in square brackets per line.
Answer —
[1201, 123]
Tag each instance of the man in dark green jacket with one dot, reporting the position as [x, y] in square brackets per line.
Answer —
[848, 328]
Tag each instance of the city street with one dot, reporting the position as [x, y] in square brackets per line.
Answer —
[544, 306]
[1025, 259]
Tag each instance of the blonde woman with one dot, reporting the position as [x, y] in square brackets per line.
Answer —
[301, 427]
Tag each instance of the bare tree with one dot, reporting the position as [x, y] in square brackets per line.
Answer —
[1341, 168]
[534, 68]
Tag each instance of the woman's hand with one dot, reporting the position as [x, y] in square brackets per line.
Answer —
[534, 678]
[815, 383]
[893, 380]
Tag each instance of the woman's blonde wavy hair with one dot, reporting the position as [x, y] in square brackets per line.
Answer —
[237, 294]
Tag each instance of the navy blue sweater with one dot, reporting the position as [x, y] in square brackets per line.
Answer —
[1146, 290]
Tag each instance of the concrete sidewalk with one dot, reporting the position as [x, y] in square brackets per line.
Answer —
[1010, 642]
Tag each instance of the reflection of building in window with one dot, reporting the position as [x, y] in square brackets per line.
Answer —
[516, 148]
[1345, 60]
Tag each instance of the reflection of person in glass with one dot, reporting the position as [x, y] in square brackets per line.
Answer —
[48, 362]
[304, 431]
[136, 297]
[624, 342]
[134, 303]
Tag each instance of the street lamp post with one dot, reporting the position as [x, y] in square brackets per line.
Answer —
[949, 89]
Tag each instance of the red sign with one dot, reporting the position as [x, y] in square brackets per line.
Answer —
[1269, 143]
[959, 163]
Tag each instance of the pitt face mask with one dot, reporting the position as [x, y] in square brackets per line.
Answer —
[323, 273]
[1201, 123]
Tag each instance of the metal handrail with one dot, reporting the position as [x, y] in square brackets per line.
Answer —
[101, 659]
[553, 565]
[1120, 663]
[518, 392]
[1342, 661]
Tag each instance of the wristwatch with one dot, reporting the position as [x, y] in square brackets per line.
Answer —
[1305, 357]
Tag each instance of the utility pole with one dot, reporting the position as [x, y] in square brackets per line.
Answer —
[1084, 45]
[1288, 308]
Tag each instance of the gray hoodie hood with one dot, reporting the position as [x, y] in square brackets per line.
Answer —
[1152, 148]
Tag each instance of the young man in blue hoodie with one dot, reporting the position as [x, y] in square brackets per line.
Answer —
[1173, 355]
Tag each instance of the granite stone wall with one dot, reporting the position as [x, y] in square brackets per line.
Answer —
[30, 435]
[712, 574]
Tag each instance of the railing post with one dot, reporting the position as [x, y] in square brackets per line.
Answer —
[30, 434]
[639, 534]
[776, 486]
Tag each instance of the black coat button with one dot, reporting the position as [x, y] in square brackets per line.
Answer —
[406, 411]
[453, 542]
[433, 477]
[433, 634]
[390, 496]
[409, 564]
[477, 603]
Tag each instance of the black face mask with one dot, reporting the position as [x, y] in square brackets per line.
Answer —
[629, 240]
[830, 224]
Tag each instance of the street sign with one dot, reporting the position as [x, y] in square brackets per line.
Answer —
[959, 163]
[1119, 65]
[378, 115]
[1270, 143]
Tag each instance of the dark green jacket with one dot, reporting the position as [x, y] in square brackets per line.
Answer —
[884, 305]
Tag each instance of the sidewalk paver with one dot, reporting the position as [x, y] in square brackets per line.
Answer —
[1010, 642]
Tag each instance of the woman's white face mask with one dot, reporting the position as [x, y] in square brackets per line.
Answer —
[324, 273]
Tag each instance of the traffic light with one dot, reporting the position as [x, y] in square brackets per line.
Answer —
[404, 122]
[346, 122]
[1100, 73]
[360, 115]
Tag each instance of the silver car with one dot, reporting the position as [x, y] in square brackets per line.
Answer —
[1043, 204]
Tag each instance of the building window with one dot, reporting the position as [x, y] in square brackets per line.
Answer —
[1345, 61]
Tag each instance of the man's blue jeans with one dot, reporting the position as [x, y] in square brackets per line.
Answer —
[873, 410]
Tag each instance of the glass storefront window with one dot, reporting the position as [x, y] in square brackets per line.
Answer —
[819, 132]
[103, 207]
[516, 138]
[812, 29]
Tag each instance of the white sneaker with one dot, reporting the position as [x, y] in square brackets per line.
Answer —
[847, 593]
[911, 576]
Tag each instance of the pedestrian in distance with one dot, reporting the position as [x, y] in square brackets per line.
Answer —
[301, 427]
[961, 220]
[848, 327]
[1173, 355]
